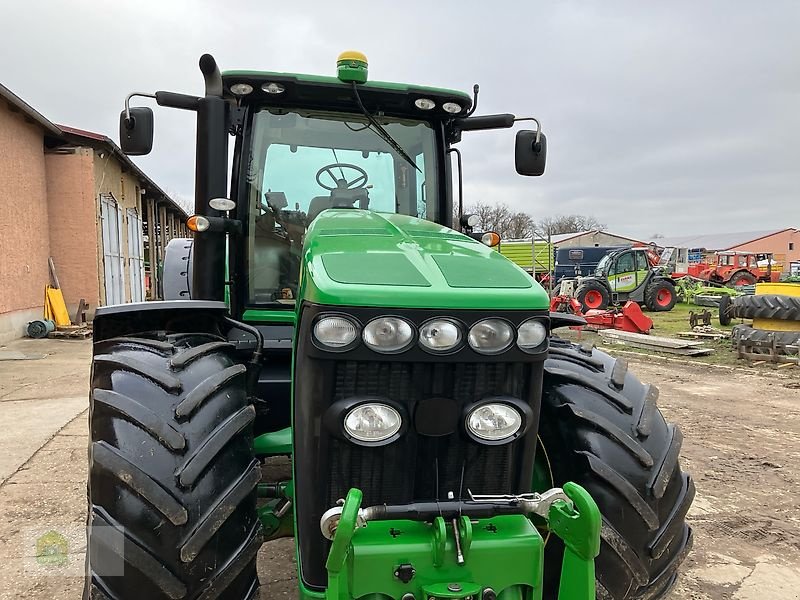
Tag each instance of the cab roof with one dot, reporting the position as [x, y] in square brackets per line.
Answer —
[330, 93]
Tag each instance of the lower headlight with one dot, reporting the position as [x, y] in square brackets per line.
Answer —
[388, 334]
[531, 334]
[372, 422]
[494, 422]
[490, 336]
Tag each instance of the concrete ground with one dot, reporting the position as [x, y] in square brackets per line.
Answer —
[742, 445]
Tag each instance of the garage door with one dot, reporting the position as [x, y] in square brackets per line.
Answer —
[135, 256]
[113, 265]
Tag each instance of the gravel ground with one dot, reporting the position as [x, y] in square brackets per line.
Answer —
[742, 445]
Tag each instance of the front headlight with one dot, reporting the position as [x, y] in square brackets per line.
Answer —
[531, 334]
[372, 422]
[335, 333]
[494, 422]
[388, 334]
[440, 335]
[490, 336]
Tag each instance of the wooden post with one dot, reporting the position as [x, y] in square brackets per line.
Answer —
[152, 239]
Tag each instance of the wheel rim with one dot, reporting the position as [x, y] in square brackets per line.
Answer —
[593, 299]
[663, 297]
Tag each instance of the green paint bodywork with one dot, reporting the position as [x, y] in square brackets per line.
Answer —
[504, 553]
[361, 258]
[628, 281]
[273, 443]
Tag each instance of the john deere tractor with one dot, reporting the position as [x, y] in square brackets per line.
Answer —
[340, 363]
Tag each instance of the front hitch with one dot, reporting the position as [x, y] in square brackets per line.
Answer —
[570, 512]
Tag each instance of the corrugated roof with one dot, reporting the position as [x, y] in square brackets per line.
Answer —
[716, 241]
[562, 237]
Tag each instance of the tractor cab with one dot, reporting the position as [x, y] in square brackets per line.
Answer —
[627, 274]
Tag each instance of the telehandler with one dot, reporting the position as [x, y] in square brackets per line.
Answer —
[443, 444]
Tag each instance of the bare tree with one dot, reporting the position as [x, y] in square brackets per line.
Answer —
[568, 224]
[520, 225]
[502, 219]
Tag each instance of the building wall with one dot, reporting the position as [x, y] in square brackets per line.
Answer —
[599, 238]
[110, 178]
[24, 243]
[778, 244]
[73, 224]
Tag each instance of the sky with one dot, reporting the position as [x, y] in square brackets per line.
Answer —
[669, 118]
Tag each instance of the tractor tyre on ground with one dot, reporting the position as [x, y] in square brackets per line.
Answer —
[767, 306]
[660, 296]
[725, 310]
[600, 428]
[766, 337]
[172, 477]
[593, 296]
[741, 278]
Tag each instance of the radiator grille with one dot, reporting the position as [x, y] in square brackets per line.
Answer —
[418, 467]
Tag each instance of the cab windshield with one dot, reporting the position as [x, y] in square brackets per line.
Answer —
[301, 163]
[602, 266]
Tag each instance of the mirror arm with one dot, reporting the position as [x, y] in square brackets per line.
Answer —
[538, 126]
[169, 99]
[457, 152]
[128, 103]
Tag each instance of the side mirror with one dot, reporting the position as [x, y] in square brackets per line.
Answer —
[136, 131]
[529, 155]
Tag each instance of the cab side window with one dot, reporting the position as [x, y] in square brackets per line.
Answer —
[625, 263]
[641, 262]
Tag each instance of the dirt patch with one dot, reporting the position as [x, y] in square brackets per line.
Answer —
[742, 445]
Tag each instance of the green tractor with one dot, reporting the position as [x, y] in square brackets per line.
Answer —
[442, 443]
[627, 274]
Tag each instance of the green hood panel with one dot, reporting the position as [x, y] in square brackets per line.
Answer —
[361, 258]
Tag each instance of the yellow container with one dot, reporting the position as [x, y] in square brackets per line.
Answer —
[781, 289]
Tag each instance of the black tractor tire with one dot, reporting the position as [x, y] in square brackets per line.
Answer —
[741, 278]
[600, 428]
[768, 306]
[725, 310]
[660, 295]
[765, 336]
[593, 289]
[172, 477]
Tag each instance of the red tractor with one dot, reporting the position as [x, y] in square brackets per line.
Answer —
[741, 268]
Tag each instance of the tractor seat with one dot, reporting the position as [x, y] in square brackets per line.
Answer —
[317, 205]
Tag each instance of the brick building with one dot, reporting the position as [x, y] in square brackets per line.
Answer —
[784, 244]
[74, 196]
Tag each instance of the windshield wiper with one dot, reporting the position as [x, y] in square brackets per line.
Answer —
[385, 135]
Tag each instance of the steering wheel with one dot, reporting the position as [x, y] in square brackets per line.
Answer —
[342, 184]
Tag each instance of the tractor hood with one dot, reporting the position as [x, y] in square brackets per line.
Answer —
[362, 258]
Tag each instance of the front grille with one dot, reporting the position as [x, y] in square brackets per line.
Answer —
[417, 467]
[414, 467]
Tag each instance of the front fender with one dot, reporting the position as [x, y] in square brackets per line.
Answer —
[175, 316]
